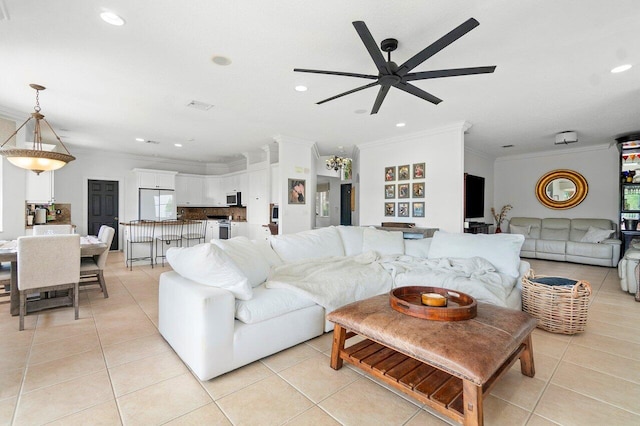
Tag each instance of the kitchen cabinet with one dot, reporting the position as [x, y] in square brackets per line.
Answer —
[159, 179]
[275, 184]
[39, 188]
[257, 199]
[213, 192]
[213, 230]
[189, 190]
[239, 229]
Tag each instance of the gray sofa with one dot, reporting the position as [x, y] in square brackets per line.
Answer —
[560, 239]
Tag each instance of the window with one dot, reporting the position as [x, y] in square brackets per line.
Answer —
[322, 204]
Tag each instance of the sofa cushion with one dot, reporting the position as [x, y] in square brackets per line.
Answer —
[600, 251]
[207, 264]
[529, 245]
[551, 246]
[522, 230]
[351, 239]
[501, 250]
[264, 247]
[382, 242]
[247, 257]
[579, 227]
[314, 244]
[269, 303]
[534, 223]
[555, 229]
[596, 235]
[418, 248]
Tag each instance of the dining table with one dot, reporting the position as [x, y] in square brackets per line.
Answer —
[89, 246]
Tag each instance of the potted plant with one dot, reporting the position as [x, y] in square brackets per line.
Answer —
[499, 218]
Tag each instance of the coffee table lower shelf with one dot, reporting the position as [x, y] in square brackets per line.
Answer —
[435, 388]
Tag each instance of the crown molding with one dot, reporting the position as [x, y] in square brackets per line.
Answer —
[601, 147]
[460, 126]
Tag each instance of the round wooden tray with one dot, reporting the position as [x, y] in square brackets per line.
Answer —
[407, 300]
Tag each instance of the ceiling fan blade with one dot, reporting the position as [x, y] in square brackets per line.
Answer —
[346, 74]
[437, 46]
[357, 89]
[424, 75]
[409, 88]
[372, 47]
[381, 95]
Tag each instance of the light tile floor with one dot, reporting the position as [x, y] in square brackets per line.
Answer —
[113, 367]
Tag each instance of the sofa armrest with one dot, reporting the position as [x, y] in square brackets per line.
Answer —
[613, 241]
[198, 322]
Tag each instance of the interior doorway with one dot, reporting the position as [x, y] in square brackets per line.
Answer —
[102, 205]
[345, 204]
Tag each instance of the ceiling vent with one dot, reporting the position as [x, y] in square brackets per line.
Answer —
[199, 105]
[152, 142]
[565, 138]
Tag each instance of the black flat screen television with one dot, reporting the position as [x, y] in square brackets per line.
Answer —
[473, 196]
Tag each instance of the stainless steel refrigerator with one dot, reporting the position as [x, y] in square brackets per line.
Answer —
[157, 204]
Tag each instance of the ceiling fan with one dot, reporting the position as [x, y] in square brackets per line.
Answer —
[392, 75]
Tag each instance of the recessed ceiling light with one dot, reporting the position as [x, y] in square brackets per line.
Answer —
[400, 124]
[112, 18]
[139, 140]
[301, 88]
[179, 145]
[221, 60]
[621, 68]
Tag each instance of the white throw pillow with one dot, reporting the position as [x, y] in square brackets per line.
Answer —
[501, 250]
[314, 244]
[522, 230]
[267, 252]
[418, 248]
[247, 257]
[382, 242]
[209, 265]
[351, 239]
[596, 235]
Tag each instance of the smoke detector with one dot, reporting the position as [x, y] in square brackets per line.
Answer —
[565, 138]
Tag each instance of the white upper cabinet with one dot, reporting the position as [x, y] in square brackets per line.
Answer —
[159, 179]
[39, 187]
[213, 193]
[257, 197]
[189, 190]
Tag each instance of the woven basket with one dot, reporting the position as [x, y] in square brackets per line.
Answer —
[558, 309]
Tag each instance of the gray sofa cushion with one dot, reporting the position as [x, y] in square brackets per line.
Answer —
[555, 229]
[532, 222]
[551, 246]
[589, 249]
[579, 227]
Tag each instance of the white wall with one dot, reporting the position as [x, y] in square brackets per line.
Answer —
[480, 164]
[443, 152]
[516, 178]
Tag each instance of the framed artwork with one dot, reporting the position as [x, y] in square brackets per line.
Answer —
[390, 191]
[390, 174]
[418, 209]
[403, 190]
[389, 209]
[418, 190]
[297, 191]
[403, 172]
[403, 209]
[418, 171]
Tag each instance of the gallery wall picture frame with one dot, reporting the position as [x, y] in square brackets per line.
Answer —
[390, 191]
[403, 209]
[389, 209]
[418, 209]
[403, 172]
[297, 191]
[390, 174]
[403, 190]
[418, 171]
[418, 190]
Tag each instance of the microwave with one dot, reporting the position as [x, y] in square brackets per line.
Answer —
[234, 199]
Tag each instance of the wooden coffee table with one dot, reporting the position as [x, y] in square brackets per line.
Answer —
[449, 366]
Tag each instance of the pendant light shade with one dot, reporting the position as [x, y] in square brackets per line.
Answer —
[36, 159]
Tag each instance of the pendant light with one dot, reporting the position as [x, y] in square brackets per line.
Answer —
[36, 159]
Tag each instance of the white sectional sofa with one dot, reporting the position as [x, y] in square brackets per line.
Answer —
[588, 241]
[231, 302]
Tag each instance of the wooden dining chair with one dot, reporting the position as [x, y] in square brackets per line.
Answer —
[48, 263]
[52, 229]
[93, 267]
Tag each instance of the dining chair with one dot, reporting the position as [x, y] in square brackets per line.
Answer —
[194, 230]
[52, 229]
[139, 232]
[48, 263]
[94, 266]
[170, 230]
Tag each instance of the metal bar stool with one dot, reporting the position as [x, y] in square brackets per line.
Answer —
[140, 232]
[170, 230]
[194, 230]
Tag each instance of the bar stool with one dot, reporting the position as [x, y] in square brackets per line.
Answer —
[139, 232]
[194, 230]
[170, 230]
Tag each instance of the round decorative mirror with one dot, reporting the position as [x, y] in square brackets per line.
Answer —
[561, 189]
